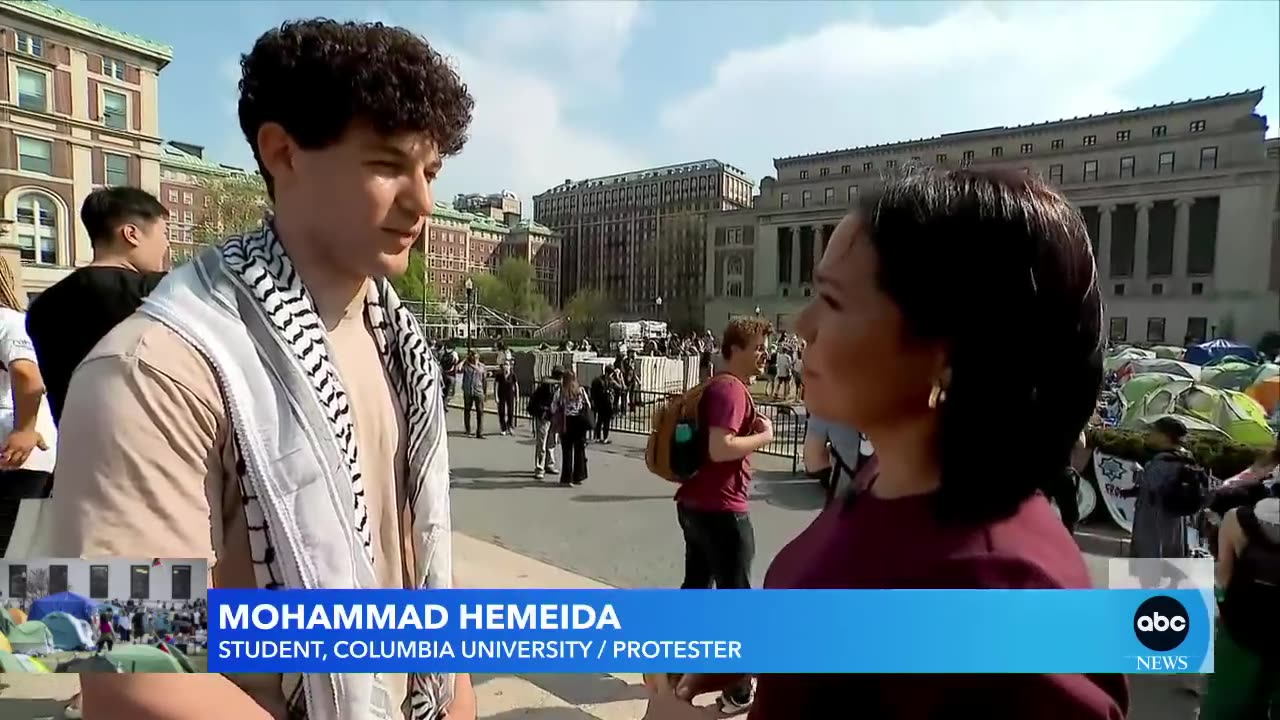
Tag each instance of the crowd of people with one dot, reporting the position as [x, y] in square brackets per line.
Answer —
[291, 336]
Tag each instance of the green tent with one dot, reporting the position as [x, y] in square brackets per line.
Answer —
[1137, 386]
[32, 638]
[6, 622]
[1168, 352]
[1124, 356]
[9, 663]
[144, 659]
[1203, 408]
[181, 657]
[1171, 367]
[1231, 375]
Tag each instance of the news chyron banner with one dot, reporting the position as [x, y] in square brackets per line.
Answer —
[717, 631]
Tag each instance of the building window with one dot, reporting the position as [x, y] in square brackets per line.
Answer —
[33, 90]
[1166, 164]
[112, 67]
[30, 44]
[1197, 126]
[786, 199]
[186, 198]
[868, 166]
[966, 157]
[824, 172]
[941, 159]
[115, 110]
[1209, 158]
[829, 196]
[180, 589]
[1090, 140]
[17, 582]
[805, 197]
[1122, 136]
[1159, 130]
[804, 174]
[1027, 148]
[845, 169]
[915, 158]
[891, 164]
[57, 579]
[1155, 330]
[1119, 329]
[1118, 289]
[1126, 166]
[117, 169]
[853, 193]
[1197, 288]
[99, 581]
[1056, 144]
[140, 582]
[1197, 329]
[173, 198]
[1055, 173]
[1090, 170]
[1157, 288]
[37, 228]
[187, 217]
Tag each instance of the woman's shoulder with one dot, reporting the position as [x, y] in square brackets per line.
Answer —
[1030, 550]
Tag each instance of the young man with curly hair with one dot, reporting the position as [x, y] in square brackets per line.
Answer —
[272, 406]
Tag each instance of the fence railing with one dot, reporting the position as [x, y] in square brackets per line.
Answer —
[634, 415]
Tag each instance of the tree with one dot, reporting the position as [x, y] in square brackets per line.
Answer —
[589, 312]
[413, 285]
[37, 583]
[513, 289]
[234, 204]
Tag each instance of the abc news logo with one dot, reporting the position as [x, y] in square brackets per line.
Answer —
[1161, 623]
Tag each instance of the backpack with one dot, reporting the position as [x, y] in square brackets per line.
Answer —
[677, 446]
[1253, 593]
[1189, 492]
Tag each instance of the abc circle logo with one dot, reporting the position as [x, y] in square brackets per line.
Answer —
[1161, 623]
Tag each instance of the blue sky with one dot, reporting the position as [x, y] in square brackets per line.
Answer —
[568, 90]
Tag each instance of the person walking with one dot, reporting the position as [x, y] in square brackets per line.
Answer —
[505, 390]
[602, 394]
[106, 633]
[28, 452]
[128, 229]
[279, 369]
[473, 393]
[572, 419]
[1162, 513]
[544, 437]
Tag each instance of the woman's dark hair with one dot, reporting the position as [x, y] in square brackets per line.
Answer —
[316, 77]
[992, 263]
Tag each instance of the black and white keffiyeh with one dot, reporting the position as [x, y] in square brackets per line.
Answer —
[259, 261]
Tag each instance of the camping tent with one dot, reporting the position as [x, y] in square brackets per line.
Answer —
[6, 622]
[1233, 413]
[178, 655]
[1231, 375]
[65, 602]
[144, 659]
[69, 633]
[1168, 352]
[1267, 393]
[32, 665]
[1137, 386]
[4, 643]
[18, 615]
[9, 663]
[1214, 349]
[1170, 367]
[32, 638]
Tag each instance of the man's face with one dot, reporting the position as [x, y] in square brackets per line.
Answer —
[368, 198]
[749, 361]
[148, 242]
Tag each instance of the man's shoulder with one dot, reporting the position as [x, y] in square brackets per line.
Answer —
[143, 344]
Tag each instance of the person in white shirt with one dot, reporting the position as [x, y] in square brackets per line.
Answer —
[26, 424]
[785, 363]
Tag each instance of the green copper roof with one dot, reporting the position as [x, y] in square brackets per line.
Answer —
[445, 211]
[173, 156]
[52, 14]
[533, 227]
[488, 224]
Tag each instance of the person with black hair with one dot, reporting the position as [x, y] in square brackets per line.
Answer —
[128, 228]
[279, 369]
[1162, 511]
[899, 340]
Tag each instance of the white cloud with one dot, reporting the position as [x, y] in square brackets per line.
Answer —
[979, 65]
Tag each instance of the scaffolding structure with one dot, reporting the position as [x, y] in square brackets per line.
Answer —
[444, 320]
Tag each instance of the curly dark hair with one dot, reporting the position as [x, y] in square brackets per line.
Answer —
[315, 77]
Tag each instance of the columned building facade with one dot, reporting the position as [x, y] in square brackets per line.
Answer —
[1182, 203]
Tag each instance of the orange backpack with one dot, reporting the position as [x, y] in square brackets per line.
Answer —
[677, 447]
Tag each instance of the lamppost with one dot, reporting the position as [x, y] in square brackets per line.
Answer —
[658, 301]
[471, 309]
[757, 311]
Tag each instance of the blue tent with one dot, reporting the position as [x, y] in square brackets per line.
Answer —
[70, 603]
[1215, 349]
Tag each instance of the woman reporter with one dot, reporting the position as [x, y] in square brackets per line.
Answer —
[912, 290]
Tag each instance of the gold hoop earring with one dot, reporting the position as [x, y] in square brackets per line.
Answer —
[937, 396]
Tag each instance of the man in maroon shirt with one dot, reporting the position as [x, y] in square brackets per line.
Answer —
[712, 505]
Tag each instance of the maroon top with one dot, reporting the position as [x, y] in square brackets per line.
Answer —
[876, 543]
[722, 486]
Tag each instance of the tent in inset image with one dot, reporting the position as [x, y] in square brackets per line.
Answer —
[32, 638]
[18, 615]
[69, 633]
[1208, 352]
[6, 622]
[70, 603]
[144, 659]
[9, 663]
[4, 643]
[1205, 409]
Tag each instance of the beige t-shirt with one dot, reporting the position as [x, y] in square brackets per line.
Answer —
[147, 470]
